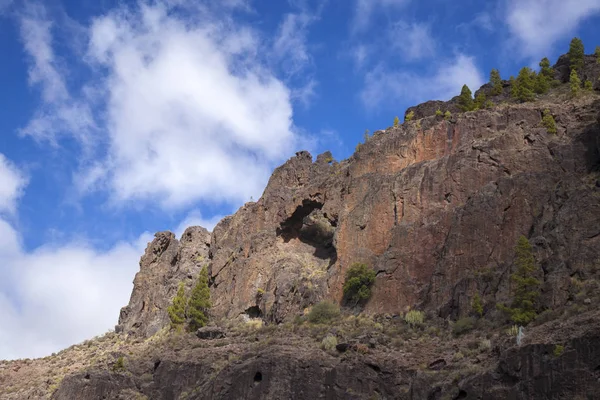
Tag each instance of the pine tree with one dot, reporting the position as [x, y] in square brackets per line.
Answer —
[480, 101]
[574, 82]
[524, 85]
[465, 100]
[544, 77]
[199, 302]
[177, 309]
[396, 122]
[496, 82]
[546, 69]
[409, 116]
[526, 288]
[513, 87]
[587, 85]
[542, 84]
[576, 53]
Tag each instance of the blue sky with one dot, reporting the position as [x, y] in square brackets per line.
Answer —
[120, 119]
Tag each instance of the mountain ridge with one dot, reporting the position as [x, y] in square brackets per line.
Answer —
[435, 206]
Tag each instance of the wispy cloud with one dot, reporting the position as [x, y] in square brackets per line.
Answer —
[363, 11]
[413, 41]
[442, 84]
[59, 114]
[290, 45]
[12, 183]
[535, 25]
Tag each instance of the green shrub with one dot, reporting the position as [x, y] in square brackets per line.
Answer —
[512, 331]
[359, 279]
[177, 309]
[438, 113]
[526, 288]
[496, 82]
[409, 116]
[576, 53]
[587, 85]
[199, 302]
[396, 121]
[323, 312]
[447, 115]
[558, 350]
[574, 83]
[476, 305]
[548, 121]
[463, 325]
[329, 343]
[414, 317]
[119, 365]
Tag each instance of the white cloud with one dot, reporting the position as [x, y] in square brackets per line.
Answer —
[59, 113]
[537, 24]
[363, 11]
[359, 54]
[187, 109]
[289, 47]
[61, 296]
[56, 295]
[195, 218]
[12, 183]
[484, 21]
[443, 84]
[414, 41]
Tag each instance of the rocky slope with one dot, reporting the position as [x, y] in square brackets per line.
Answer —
[435, 206]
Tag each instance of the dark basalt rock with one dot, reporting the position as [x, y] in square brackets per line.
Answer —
[210, 332]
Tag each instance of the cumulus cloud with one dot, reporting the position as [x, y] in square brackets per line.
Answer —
[188, 111]
[537, 24]
[61, 296]
[364, 9]
[55, 296]
[413, 41]
[443, 84]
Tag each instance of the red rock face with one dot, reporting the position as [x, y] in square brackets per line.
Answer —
[435, 209]
[434, 206]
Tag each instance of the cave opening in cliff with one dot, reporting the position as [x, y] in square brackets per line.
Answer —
[257, 377]
[313, 227]
[254, 312]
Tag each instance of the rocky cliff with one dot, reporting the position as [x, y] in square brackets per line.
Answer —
[435, 207]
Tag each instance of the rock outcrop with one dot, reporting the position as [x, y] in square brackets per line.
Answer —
[166, 262]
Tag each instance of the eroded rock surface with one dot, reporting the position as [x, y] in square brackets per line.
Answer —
[165, 263]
